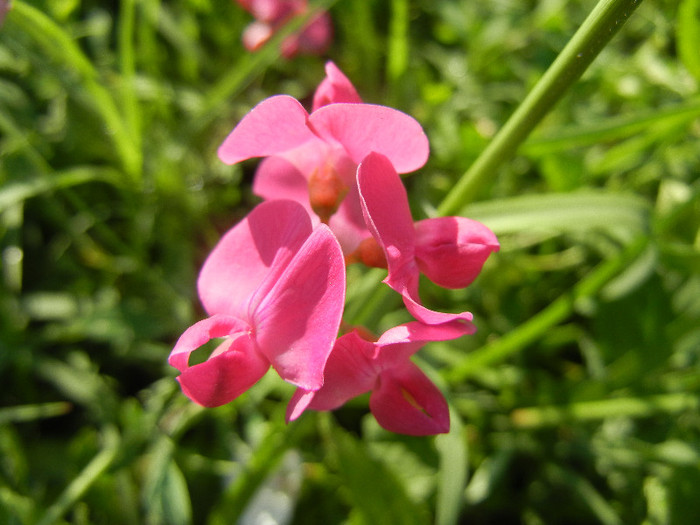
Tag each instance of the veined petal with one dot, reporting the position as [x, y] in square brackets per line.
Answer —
[407, 402]
[202, 332]
[451, 251]
[275, 125]
[296, 313]
[335, 88]
[272, 233]
[364, 128]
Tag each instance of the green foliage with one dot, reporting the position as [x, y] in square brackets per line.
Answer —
[577, 400]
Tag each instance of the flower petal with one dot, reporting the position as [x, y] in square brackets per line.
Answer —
[398, 344]
[223, 378]
[277, 178]
[363, 128]
[452, 250]
[201, 333]
[272, 233]
[296, 313]
[385, 206]
[349, 373]
[407, 402]
[335, 88]
[316, 36]
[232, 368]
[275, 125]
[387, 214]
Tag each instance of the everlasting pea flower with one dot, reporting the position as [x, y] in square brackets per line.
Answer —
[450, 251]
[402, 397]
[312, 158]
[271, 15]
[5, 6]
[274, 287]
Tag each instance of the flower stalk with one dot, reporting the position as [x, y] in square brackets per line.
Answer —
[602, 24]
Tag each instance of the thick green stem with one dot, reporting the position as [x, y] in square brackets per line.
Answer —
[601, 25]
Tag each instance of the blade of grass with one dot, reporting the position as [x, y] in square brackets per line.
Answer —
[87, 477]
[534, 417]
[61, 46]
[614, 129]
[127, 66]
[605, 20]
[22, 413]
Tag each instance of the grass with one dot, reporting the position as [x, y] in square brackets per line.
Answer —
[575, 402]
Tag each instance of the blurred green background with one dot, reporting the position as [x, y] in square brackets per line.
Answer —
[576, 401]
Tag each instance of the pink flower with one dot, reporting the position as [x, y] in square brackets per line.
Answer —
[274, 287]
[313, 159]
[5, 6]
[450, 251]
[402, 398]
[271, 15]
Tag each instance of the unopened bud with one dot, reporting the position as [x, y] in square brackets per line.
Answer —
[326, 192]
[368, 253]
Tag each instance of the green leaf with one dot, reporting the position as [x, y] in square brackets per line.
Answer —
[562, 213]
[374, 492]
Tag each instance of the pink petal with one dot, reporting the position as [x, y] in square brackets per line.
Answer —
[277, 178]
[364, 128]
[296, 313]
[428, 316]
[272, 233]
[452, 250]
[232, 368]
[407, 402]
[336, 87]
[256, 35]
[316, 36]
[398, 344]
[299, 403]
[385, 206]
[387, 214]
[348, 223]
[349, 372]
[275, 125]
[202, 332]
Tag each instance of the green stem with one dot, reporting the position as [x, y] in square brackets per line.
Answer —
[541, 323]
[59, 44]
[601, 25]
[603, 408]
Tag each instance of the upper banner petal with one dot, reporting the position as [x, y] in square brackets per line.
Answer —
[275, 125]
[364, 128]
